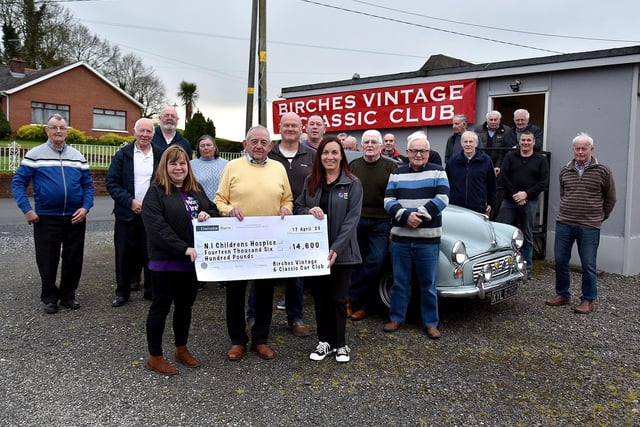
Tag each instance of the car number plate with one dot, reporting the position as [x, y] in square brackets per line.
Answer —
[500, 295]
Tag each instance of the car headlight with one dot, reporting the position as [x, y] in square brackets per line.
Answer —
[517, 239]
[458, 253]
[486, 272]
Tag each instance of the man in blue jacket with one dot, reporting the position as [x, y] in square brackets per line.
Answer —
[130, 174]
[63, 195]
[472, 180]
[166, 132]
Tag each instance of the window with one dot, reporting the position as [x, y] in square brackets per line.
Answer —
[41, 111]
[109, 119]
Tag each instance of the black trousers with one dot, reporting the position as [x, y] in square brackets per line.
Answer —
[130, 242]
[55, 237]
[330, 299]
[170, 287]
[236, 302]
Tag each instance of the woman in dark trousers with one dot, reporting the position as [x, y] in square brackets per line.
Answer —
[333, 190]
[173, 200]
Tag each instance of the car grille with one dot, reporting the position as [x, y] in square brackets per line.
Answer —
[500, 267]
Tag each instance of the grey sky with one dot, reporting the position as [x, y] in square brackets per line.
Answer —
[207, 42]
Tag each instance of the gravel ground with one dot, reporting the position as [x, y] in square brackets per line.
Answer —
[518, 363]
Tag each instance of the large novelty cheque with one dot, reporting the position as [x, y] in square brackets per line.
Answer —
[261, 247]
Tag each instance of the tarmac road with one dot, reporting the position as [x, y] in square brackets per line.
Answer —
[11, 215]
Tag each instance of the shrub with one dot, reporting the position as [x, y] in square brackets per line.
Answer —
[75, 136]
[5, 127]
[197, 127]
[227, 146]
[113, 139]
[32, 133]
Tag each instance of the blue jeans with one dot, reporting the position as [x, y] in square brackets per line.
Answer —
[522, 217]
[373, 241]
[424, 258]
[587, 240]
[293, 299]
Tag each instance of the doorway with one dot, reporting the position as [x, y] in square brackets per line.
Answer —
[536, 105]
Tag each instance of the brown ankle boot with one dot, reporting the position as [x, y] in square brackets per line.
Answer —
[160, 365]
[183, 356]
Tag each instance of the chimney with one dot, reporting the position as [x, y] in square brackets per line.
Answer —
[17, 66]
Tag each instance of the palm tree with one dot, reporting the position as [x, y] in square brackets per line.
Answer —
[188, 93]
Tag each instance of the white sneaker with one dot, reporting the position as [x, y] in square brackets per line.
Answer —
[322, 350]
[342, 355]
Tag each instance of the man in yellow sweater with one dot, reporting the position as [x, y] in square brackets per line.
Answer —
[252, 185]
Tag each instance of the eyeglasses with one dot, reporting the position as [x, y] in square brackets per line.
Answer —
[371, 141]
[421, 152]
[58, 128]
[261, 142]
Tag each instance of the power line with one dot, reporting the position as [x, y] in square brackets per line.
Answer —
[198, 67]
[497, 28]
[430, 27]
[209, 35]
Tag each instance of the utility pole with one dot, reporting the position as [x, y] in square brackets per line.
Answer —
[262, 67]
[252, 65]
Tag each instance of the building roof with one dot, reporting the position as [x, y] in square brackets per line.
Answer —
[438, 66]
[10, 84]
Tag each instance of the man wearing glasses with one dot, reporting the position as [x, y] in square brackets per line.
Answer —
[63, 195]
[253, 185]
[166, 132]
[415, 197]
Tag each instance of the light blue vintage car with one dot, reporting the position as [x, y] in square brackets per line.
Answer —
[478, 259]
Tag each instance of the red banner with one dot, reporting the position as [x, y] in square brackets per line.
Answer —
[420, 105]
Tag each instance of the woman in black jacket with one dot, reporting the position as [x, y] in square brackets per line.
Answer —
[174, 199]
[331, 188]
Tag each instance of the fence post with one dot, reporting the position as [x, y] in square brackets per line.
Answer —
[14, 156]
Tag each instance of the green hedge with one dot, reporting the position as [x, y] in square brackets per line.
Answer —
[112, 139]
[74, 136]
[38, 133]
[228, 146]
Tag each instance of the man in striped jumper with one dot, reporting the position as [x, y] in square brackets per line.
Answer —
[415, 197]
[587, 197]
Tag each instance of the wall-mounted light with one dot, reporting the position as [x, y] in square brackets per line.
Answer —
[355, 76]
[515, 85]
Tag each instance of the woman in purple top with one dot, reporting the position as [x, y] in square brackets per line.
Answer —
[173, 200]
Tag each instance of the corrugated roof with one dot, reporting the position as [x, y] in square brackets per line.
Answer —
[440, 65]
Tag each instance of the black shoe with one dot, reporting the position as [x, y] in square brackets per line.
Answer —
[71, 304]
[51, 308]
[119, 301]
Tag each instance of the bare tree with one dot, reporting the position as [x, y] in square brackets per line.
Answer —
[82, 45]
[53, 48]
[25, 24]
[131, 75]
